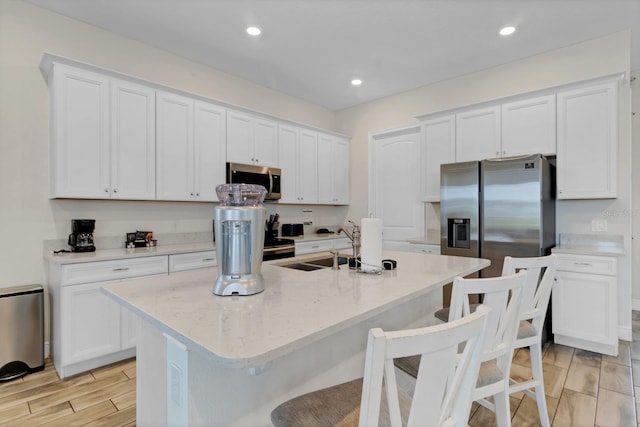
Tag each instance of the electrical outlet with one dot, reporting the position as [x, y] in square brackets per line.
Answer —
[599, 225]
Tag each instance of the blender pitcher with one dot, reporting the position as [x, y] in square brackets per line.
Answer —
[239, 221]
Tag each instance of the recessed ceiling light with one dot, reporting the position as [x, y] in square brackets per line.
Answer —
[253, 31]
[507, 31]
[356, 82]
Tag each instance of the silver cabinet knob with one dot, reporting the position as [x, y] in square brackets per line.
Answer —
[115, 190]
[106, 190]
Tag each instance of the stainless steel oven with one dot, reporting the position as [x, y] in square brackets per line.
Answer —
[268, 177]
[278, 249]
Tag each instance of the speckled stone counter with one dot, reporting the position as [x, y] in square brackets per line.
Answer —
[591, 244]
[241, 356]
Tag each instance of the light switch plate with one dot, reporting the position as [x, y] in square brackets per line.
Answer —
[599, 225]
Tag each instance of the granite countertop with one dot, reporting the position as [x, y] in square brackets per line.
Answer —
[120, 253]
[296, 308]
[590, 244]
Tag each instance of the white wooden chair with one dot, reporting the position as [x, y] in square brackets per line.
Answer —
[444, 387]
[504, 296]
[535, 300]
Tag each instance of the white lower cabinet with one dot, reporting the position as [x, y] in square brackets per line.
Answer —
[315, 246]
[585, 303]
[192, 261]
[89, 328]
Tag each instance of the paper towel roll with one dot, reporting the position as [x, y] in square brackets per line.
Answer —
[371, 244]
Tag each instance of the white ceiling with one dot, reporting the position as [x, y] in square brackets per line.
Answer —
[311, 49]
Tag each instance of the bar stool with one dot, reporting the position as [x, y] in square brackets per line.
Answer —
[504, 296]
[535, 300]
[443, 392]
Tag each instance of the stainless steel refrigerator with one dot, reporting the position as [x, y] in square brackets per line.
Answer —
[498, 207]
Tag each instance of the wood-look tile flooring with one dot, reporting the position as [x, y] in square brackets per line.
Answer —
[582, 388]
[102, 397]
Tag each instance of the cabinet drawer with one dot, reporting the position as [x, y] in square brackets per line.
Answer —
[192, 261]
[342, 243]
[312, 247]
[588, 264]
[102, 271]
[425, 248]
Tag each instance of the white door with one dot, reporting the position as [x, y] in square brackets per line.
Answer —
[325, 169]
[174, 147]
[478, 134]
[341, 171]
[288, 161]
[395, 177]
[587, 142]
[93, 322]
[308, 166]
[209, 144]
[265, 142]
[439, 147]
[239, 138]
[79, 150]
[529, 126]
[133, 141]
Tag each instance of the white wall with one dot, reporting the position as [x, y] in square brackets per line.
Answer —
[27, 216]
[591, 59]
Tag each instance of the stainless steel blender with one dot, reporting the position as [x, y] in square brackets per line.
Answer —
[239, 230]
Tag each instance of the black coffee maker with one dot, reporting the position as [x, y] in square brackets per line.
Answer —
[81, 237]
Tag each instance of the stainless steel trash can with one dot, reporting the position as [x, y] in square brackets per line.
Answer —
[21, 331]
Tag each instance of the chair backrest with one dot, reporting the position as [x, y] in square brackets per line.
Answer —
[537, 290]
[504, 296]
[445, 382]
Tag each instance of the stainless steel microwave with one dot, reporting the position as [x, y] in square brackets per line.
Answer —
[268, 177]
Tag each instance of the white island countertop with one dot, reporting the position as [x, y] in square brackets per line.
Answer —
[297, 307]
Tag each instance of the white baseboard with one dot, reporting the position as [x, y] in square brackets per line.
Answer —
[46, 349]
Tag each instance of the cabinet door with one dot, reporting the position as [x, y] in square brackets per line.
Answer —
[265, 142]
[129, 327]
[478, 134]
[79, 152]
[239, 138]
[529, 126]
[584, 307]
[209, 150]
[325, 169]
[92, 321]
[308, 167]
[438, 147]
[174, 147]
[587, 142]
[288, 163]
[133, 141]
[341, 181]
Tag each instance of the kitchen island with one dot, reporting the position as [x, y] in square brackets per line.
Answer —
[209, 360]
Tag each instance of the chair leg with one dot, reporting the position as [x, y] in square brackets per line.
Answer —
[536, 368]
[503, 414]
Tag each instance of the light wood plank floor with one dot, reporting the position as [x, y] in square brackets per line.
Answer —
[582, 388]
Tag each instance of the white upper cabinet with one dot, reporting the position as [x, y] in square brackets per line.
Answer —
[333, 170]
[209, 150]
[529, 126]
[103, 137]
[438, 147]
[587, 142]
[133, 141]
[478, 134]
[251, 139]
[298, 160]
[174, 147]
[190, 148]
[79, 152]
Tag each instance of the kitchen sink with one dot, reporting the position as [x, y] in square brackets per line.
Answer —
[315, 264]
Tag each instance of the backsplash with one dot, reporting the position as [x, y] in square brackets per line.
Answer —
[114, 242]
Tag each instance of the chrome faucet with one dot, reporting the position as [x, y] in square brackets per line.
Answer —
[354, 236]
